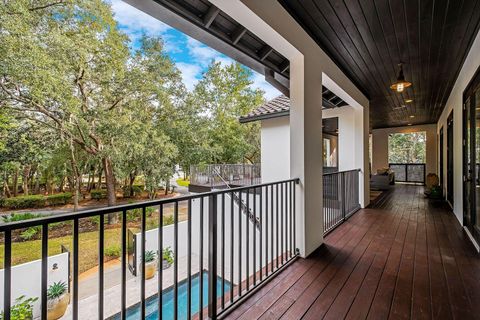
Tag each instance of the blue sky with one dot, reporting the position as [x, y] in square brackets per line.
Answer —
[190, 56]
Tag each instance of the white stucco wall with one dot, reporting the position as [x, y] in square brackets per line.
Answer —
[27, 280]
[275, 149]
[380, 146]
[268, 222]
[455, 102]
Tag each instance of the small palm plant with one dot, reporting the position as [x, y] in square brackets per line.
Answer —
[150, 264]
[56, 290]
[58, 300]
[150, 256]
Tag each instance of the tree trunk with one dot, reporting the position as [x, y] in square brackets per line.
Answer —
[15, 183]
[110, 182]
[100, 172]
[26, 173]
[6, 188]
[167, 186]
[132, 177]
[37, 183]
[62, 185]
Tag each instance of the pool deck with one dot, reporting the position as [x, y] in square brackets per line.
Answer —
[87, 308]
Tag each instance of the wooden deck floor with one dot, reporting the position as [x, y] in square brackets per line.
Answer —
[405, 258]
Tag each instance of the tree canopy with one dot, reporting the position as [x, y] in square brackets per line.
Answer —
[407, 147]
[77, 99]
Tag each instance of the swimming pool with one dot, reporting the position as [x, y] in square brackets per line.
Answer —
[151, 308]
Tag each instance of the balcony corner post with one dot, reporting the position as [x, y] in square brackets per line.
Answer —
[212, 257]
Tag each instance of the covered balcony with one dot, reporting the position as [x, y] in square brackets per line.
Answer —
[302, 235]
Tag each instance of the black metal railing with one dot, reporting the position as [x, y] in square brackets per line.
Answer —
[340, 197]
[216, 175]
[212, 234]
[409, 172]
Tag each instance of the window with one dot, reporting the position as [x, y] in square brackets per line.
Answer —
[407, 147]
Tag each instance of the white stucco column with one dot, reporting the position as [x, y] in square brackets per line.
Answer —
[306, 161]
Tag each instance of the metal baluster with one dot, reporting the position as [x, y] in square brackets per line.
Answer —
[124, 265]
[271, 229]
[247, 240]
[276, 223]
[254, 230]
[101, 243]
[223, 251]
[44, 270]
[75, 269]
[212, 257]
[200, 265]
[231, 245]
[189, 260]
[160, 269]
[7, 275]
[175, 270]
[239, 244]
[142, 250]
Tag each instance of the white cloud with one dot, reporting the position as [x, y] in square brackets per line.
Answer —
[191, 73]
[135, 22]
[259, 82]
[204, 55]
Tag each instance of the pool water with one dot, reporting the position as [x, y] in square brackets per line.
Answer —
[151, 308]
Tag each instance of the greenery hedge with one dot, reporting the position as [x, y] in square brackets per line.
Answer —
[24, 202]
[59, 198]
[36, 201]
[137, 190]
[98, 194]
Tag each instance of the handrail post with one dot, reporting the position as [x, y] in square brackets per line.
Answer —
[342, 189]
[212, 257]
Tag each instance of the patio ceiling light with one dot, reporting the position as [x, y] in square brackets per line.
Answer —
[401, 83]
[408, 100]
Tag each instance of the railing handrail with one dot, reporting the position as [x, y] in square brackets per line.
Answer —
[409, 163]
[119, 208]
[344, 171]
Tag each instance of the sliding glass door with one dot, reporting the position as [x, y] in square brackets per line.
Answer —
[471, 158]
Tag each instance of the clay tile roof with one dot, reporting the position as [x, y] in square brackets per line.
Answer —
[278, 107]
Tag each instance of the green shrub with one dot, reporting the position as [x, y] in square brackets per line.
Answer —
[183, 183]
[136, 214]
[59, 198]
[56, 290]
[21, 216]
[24, 202]
[98, 194]
[168, 255]
[22, 309]
[30, 233]
[137, 190]
[112, 251]
[150, 256]
[168, 220]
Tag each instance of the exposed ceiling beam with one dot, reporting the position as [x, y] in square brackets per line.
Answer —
[264, 52]
[238, 34]
[284, 66]
[210, 16]
[270, 78]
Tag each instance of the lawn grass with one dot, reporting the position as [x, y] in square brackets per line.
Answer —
[27, 251]
[183, 183]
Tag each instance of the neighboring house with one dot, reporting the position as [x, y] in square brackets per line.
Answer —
[274, 117]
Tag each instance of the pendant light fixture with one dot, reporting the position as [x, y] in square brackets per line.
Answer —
[401, 83]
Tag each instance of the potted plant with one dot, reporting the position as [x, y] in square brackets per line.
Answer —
[57, 300]
[167, 258]
[22, 309]
[150, 264]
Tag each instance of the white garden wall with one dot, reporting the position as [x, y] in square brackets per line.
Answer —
[26, 278]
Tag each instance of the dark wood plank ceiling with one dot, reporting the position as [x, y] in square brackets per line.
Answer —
[256, 54]
[368, 38]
